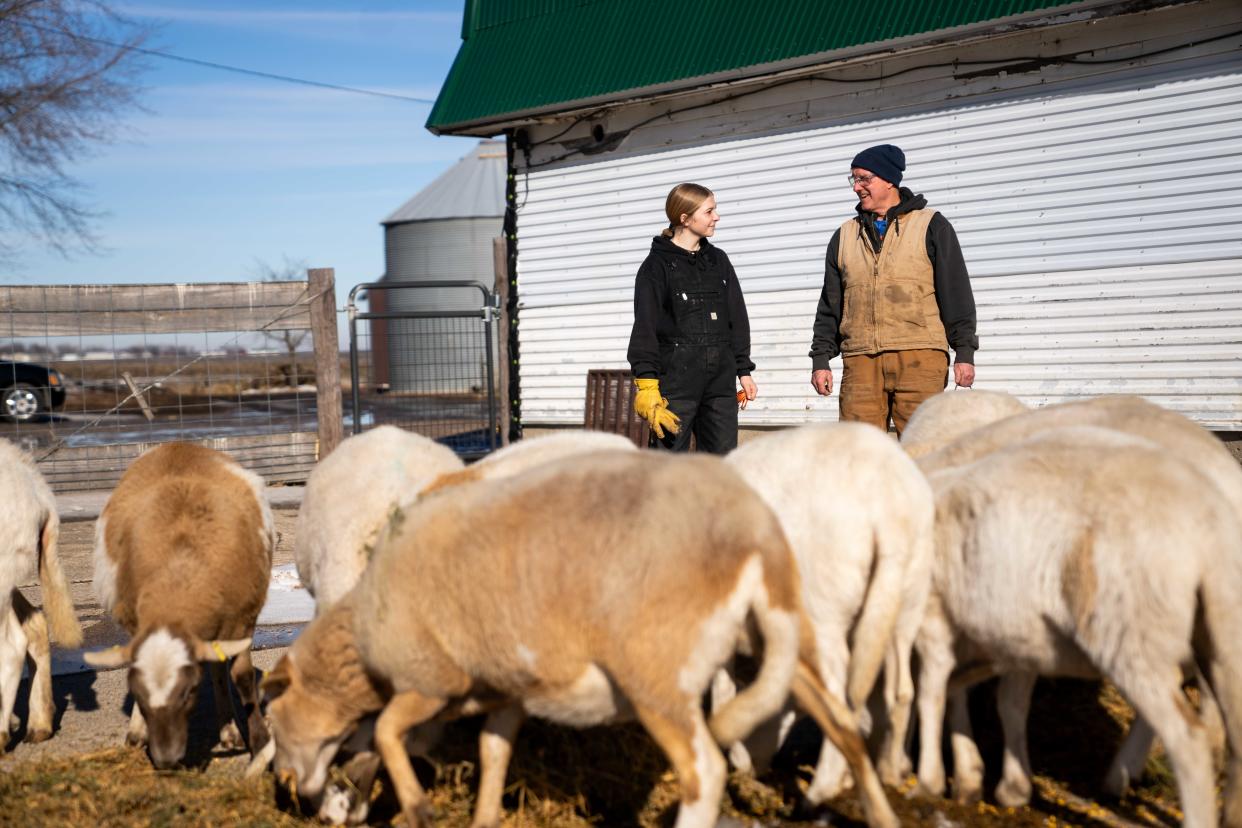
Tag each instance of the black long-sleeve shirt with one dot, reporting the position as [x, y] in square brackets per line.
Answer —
[950, 280]
[653, 305]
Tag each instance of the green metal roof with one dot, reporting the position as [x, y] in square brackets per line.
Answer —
[523, 55]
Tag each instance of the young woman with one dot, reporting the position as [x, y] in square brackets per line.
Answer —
[691, 339]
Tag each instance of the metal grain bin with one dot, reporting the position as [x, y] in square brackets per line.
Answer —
[444, 233]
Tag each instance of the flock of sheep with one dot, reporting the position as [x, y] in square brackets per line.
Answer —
[579, 580]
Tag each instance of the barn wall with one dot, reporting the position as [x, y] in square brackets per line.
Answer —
[1097, 203]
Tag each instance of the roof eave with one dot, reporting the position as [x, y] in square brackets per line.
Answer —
[493, 125]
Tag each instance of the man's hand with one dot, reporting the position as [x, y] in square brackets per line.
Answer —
[748, 386]
[963, 374]
[821, 381]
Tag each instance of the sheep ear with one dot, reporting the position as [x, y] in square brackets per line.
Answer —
[278, 680]
[117, 656]
[220, 650]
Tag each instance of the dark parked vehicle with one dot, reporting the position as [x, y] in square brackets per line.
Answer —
[28, 390]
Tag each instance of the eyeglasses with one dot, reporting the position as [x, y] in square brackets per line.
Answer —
[859, 179]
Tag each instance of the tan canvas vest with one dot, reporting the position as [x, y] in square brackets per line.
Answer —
[889, 301]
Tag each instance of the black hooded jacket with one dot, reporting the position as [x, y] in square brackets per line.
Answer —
[949, 277]
[654, 321]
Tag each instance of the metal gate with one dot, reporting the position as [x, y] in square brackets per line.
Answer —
[421, 358]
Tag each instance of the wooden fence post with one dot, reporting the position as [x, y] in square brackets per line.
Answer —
[321, 284]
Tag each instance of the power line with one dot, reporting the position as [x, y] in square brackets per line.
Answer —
[227, 68]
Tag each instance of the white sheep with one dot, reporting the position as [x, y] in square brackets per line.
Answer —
[1179, 436]
[611, 586]
[28, 543]
[942, 418]
[348, 499]
[858, 515]
[516, 458]
[1084, 551]
[337, 546]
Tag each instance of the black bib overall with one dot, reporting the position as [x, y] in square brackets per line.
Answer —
[698, 369]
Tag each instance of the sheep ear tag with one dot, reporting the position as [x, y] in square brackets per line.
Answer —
[220, 650]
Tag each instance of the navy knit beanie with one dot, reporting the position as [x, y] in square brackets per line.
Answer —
[885, 160]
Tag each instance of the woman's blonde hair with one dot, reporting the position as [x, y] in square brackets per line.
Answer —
[683, 199]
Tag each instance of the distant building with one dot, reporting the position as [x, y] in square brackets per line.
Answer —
[444, 233]
[1086, 152]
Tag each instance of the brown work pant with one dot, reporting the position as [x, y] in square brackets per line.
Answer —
[875, 387]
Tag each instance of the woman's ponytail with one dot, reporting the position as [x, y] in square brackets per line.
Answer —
[683, 199]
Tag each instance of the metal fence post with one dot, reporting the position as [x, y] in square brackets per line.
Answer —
[500, 265]
[321, 282]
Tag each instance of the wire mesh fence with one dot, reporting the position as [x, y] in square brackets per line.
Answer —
[422, 358]
[90, 376]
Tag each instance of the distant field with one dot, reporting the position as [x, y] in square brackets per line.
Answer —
[181, 385]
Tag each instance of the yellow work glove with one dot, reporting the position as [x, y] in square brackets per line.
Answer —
[653, 408]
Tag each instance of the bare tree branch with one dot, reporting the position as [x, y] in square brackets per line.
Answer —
[62, 92]
[290, 270]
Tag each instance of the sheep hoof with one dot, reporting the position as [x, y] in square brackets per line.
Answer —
[1013, 794]
[890, 775]
[39, 734]
[135, 739]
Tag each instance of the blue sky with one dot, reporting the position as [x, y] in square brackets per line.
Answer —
[224, 170]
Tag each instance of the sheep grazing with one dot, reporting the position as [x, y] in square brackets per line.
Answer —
[348, 499]
[183, 556]
[1180, 437]
[31, 528]
[330, 538]
[858, 516]
[597, 588]
[943, 418]
[1087, 552]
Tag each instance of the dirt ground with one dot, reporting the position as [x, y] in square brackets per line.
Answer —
[606, 776]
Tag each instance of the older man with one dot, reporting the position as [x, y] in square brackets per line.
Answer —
[896, 297]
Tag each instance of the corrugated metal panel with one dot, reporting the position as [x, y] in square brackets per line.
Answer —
[437, 251]
[1101, 223]
[531, 53]
[474, 187]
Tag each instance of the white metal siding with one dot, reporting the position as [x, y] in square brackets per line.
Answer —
[1100, 212]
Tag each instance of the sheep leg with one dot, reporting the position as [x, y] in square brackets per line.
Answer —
[837, 722]
[1127, 766]
[404, 711]
[230, 734]
[1157, 696]
[495, 750]
[967, 763]
[689, 746]
[12, 656]
[242, 673]
[42, 708]
[832, 773]
[936, 660]
[1013, 702]
[894, 761]
[722, 691]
